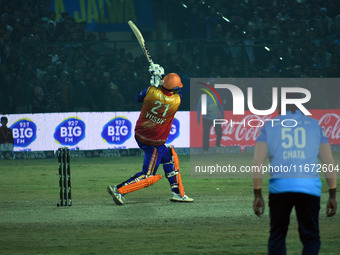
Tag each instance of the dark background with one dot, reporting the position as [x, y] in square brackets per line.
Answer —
[49, 66]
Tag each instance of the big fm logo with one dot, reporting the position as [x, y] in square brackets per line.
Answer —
[174, 132]
[24, 132]
[70, 132]
[117, 130]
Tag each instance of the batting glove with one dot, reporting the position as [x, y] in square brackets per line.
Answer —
[156, 70]
[155, 81]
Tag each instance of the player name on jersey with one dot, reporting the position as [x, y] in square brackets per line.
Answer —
[154, 118]
[293, 154]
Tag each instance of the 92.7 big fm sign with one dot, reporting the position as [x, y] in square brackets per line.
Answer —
[117, 131]
[24, 132]
[70, 132]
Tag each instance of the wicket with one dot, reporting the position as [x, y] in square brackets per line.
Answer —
[64, 171]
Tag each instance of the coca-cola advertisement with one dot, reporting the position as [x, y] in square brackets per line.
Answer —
[242, 130]
[329, 120]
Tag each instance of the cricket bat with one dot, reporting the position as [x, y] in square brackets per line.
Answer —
[141, 41]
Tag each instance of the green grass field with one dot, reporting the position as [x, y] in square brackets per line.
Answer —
[220, 221]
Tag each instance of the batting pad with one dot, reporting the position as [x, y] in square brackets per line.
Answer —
[150, 180]
[178, 176]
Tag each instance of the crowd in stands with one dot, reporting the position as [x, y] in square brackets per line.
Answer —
[261, 38]
[50, 66]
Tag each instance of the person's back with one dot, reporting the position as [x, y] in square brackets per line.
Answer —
[294, 157]
[157, 114]
[6, 136]
[301, 136]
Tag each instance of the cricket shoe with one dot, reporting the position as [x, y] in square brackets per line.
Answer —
[117, 197]
[175, 197]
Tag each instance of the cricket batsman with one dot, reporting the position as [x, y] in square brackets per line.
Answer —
[160, 101]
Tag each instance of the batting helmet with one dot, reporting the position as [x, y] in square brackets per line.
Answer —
[172, 81]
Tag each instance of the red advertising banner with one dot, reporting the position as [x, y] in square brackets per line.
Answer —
[242, 130]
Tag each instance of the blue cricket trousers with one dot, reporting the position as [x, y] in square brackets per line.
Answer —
[307, 208]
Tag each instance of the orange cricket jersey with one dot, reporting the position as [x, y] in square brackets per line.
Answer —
[158, 111]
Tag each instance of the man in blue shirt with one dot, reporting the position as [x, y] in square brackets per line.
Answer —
[293, 143]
